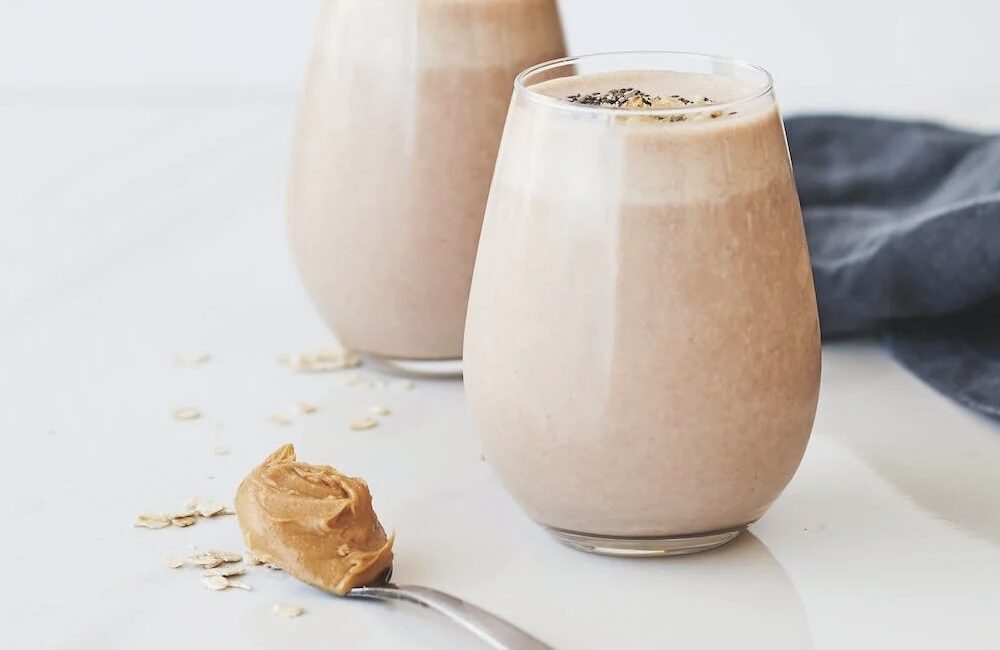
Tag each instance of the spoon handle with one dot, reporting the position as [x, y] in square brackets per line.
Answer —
[495, 631]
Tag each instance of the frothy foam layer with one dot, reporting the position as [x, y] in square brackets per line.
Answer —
[638, 156]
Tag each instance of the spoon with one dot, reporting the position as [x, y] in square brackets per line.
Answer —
[495, 631]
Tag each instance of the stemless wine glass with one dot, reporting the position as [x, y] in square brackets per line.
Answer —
[642, 343]
[397, 136]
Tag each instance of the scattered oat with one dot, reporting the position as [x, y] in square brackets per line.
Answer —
[284, 419]
[149, 520]
[403, 384]
[273, 567]
[378, 410]
[175, 561]
[287, 611]
[192, 359]
[212, 559]
[186, 413]
[227, 556]
[240, 585]
[193, 509]
[251, 559]
[216, 583]
[303, 408]
[225, 571]
[323, 360]
[209, 509]
[297, 409]
[357, 381]
[204, 507]
[363, 424]
[220, 450]
[343, 550]
[194, 503]
[205, 560]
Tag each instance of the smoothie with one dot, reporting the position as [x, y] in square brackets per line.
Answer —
[642, 346]
[397, 137]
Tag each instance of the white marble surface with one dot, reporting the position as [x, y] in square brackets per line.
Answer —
[133, 227]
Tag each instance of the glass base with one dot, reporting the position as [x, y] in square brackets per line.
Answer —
[416, 368]
[646, 546]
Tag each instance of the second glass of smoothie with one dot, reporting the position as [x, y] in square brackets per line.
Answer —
[397, 135]
[642, 345]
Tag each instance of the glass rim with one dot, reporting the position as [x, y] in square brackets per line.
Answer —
[756, 93]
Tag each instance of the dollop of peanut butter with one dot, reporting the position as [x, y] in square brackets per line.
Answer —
[313, 522]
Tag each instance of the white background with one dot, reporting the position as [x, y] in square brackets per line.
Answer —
[142, 160]
[913, 57]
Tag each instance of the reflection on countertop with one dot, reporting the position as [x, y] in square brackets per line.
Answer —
[951, 472]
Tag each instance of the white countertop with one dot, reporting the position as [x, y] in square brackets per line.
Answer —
[134, 228]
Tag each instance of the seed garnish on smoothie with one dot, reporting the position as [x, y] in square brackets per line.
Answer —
[632, 98]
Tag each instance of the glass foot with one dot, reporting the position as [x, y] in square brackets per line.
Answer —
[416, 368]
[646, 546]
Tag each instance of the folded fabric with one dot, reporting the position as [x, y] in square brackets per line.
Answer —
[903, 222]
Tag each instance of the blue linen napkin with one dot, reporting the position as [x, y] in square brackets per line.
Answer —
[903, 223]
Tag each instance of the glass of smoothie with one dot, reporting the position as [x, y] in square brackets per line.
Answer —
[642, 352]
[398, 130]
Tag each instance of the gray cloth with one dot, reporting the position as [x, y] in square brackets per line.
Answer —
[903, 222]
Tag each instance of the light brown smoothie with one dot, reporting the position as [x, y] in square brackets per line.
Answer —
[397, 137]
[642, 346]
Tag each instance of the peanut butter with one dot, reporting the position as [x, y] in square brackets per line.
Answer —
[313, 522]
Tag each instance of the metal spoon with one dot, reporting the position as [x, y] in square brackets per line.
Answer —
[495, 631]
